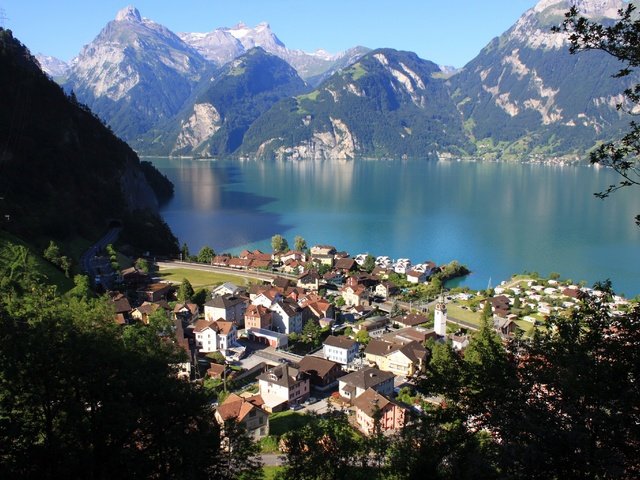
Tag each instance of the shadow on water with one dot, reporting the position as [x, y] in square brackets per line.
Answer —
[205, 211]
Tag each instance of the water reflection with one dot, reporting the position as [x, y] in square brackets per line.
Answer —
[498, 218]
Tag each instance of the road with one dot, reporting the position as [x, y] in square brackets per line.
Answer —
[88, 261]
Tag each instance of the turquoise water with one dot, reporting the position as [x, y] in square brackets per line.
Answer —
[496, 218]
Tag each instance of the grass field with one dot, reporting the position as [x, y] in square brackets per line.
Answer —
[201, 278]
[456, 311]
[282, 422]
[271, 472]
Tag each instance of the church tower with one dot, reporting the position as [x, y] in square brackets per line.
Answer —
[440, 317]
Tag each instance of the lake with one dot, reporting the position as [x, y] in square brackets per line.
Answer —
[497, 218]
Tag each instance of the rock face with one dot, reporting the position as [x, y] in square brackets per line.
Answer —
[52, 66]
[386, 104]
[135, 73]
[525, 95]
[224, 44]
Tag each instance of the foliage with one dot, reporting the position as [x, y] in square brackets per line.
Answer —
[185, 291]
[311, 332]
[562, 404]
[322, 449]
[621, 40]
[239, 454]
[108, 406]
[75, 164]
[206, 254]
[52, 254]
[369, 263]
[200, 297]
[362, 337]
[184, 252]
[279, 243]
[143, 265]
[300, 244]
[159, 183]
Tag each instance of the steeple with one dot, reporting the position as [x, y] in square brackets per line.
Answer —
[440, 318]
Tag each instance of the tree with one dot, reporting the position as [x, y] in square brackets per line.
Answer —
[143, 265]
[206, 254]
[82, 287]
[185, 291]
[52, 253]
[621, 40]
[105, 408]
[184, 252]
[239, 454]
[300, 244]
[362, 337]
[279, 243]
[369, 263]
[322, 449]
[311, 332]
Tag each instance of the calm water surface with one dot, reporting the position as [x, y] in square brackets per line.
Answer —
[497, 218]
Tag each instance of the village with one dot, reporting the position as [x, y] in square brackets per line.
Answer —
[328, 331]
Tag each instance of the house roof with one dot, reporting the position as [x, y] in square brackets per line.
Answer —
[413, 350]
[370, 401]
[283, 375]
[367, 378]
[192, 307]
[236, 407]
[411, 319]
[340, 341]
[319, 365]
[281, 282]
[345, 264]
[224, 301]
[147, 308]
[121, 304]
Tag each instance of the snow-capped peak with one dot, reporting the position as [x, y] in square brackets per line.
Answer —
[240, 30]
[128, 14]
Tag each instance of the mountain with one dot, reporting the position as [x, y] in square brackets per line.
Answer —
[524, 95]
[135, 73]
[64, 173]
[52, 66]
[387, 104]
[224, 44]
[216, 119]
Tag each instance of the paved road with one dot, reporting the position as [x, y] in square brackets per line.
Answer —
[271, 459]
[88, 261]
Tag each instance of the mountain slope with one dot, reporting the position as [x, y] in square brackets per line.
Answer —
[135, 73]
[215, 121]
[389, 103]
[64, 174]
[524, 95]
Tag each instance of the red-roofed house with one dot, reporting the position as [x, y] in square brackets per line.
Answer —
[246, 411]
[372, 404]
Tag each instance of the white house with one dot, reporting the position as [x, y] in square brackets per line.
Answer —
[286, 317]
[354, 384]
[340, 349]
[227, 307]
[283, 386]
[215, 335]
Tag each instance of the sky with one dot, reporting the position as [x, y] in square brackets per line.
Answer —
[446, 32]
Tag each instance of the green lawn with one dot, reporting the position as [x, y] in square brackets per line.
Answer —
[282, 422]
[201, 278]
[271, 472]
[463, 314]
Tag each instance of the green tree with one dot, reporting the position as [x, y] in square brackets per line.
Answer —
[311, 332]
[185, 291]
[81, 288]
[52, 253]
[143, 265]
[487, 312]
[239, 454]
[362, 337]
[104, 408]
[300, 244]
[322, 449]
[279, 243]
[184, 252]
[200, 297]
[206, 254]
[620, 39]
[369, 263]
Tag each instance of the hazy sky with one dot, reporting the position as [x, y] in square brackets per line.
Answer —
[444, 31]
